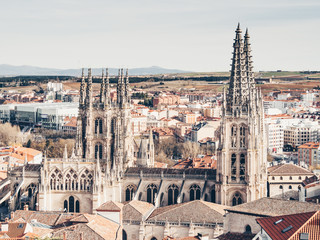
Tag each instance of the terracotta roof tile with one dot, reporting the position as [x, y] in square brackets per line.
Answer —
[274, 207]
[274, 226]
[288, 169]
[184, 212]
[110, 206]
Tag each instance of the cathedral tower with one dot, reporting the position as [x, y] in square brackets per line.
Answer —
[104, 131]
[241, 170]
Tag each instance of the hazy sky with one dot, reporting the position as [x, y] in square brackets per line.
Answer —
[194, 35]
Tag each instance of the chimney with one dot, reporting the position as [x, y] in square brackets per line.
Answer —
[26, 207]
[6, 220]
[12, 215]
[64, 236]
[81, 236]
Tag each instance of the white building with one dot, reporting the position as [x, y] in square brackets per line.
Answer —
[275, 136]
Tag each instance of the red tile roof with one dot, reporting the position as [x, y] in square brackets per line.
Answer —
[275, 226]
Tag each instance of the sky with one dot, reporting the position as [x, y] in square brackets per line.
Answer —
[192, 35]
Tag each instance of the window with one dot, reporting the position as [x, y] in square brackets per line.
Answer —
[242, 137]
[86, 180]
[213, 194]
[20, 225]
[290, 178]
[129, 192]
[248, 229]
[124, 235]
[290, 187]
[281, 178]
[70, 205]
[152, 190]
[242, 167]
[280, 187]
[173, 192]
[233, 136]
[236, 200]
[233, 167]
[195, 192]
[98, 129]
[273, 178]
[98, 151]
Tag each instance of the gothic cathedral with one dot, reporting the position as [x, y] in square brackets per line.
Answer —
[107, 164]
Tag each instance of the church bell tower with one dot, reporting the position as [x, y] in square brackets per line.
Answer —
[241, 166]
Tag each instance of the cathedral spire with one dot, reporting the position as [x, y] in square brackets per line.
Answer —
[248, 60]
[107, 87]
[82, 89]
[238, 88]
[89, 90]
[102, 88]
[127, 87]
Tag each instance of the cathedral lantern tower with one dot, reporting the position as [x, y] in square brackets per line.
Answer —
[241, 170]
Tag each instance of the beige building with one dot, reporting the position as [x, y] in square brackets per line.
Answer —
[242, 218]
[286, 177]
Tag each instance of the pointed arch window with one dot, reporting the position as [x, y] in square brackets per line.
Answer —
[56, 180]
[173, 192]
[233, 167]
[152, 190]
[130, 189]
[98, 151]
[242, 167]
[195, 192]
[236, 200]
[213, 194]
[98, 128]
[71, 205]
[242, 137]
[234, 136]
[86, 181]
[71, 181]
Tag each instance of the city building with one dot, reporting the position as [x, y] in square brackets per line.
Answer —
[308, 154]
[287, 177]
[301, 226]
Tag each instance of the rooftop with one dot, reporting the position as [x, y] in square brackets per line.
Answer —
[274, 207]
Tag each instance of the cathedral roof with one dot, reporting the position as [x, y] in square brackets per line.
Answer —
[135, 210]
[190, 171]
[274, 207]
[97, 227]
[29, 168]
[185, 212]
[288, 169]
[110, 206]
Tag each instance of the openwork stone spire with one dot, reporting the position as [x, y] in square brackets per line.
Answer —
[238, 95]
[248, 61]
[82, 89]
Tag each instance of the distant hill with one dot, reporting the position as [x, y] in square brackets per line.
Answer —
[10, 70]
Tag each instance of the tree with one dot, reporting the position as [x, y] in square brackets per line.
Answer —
[10, 135]
[190, 150]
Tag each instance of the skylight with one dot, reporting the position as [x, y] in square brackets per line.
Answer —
[286, 229]
[279, 221]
